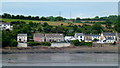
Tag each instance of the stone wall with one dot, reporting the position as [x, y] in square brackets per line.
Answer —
[22, 45]
[60, 44]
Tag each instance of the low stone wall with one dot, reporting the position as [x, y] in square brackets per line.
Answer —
[60, 44]
[22, 45]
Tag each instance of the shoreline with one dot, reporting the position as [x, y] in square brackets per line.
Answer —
[72, 50]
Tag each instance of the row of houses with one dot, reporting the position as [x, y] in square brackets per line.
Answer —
[98, 38]
[56, 37]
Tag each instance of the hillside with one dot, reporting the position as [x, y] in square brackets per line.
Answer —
[49, 22]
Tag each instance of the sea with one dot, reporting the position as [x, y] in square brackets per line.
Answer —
[60, 59]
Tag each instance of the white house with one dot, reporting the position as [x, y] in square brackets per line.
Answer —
[79, 36]
[69, 38]
[96, 36]
[4, 26]
[108, 37]
[22, 40]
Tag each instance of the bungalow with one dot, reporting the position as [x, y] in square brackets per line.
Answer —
[79, 36]
[54, 37]
[4, 26]
[38, 37]
[108, 37]
[22, 40]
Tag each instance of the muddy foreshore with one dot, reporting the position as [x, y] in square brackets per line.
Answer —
[80, 49]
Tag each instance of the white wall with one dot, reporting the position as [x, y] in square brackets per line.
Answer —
[23, 38]
[22, 45]
[60, 44]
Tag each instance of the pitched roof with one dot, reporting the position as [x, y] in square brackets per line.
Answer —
[92, 35]
[109, 34]
[79, 34]
[119, 35]
[39, 35]
[54, 35]
[95, 35]
[22, 35]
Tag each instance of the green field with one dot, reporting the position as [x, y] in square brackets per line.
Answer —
[49, 22]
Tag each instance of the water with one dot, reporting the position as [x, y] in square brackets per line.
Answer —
[60, 59]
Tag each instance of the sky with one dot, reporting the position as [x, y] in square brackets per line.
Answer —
[64, 9]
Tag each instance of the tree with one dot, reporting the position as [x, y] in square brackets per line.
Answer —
[45, 24]
[51, 18]
[77, 18]
[96, 17]
[75, 42]
[97, 27]
[59, 18]
[43, 19]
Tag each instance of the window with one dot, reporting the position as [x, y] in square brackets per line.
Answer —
[80, 36]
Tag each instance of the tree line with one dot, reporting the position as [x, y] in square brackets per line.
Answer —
[111, 19]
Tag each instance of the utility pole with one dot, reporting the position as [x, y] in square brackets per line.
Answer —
[70, 14]
[59, 13]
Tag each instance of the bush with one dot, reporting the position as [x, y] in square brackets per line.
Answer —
[39, 43]
[77, 43]
[86, 43]
[14, 43]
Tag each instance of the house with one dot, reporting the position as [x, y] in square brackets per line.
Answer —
[54, 37]
[38, 37]
[69, 38]
[108, 37]
[88, 38]
[95, 37]
[22, 40]
[79, 36]
[4, 26]
[118, 37]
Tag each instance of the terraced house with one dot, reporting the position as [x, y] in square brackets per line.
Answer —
[79, 36]
[118, 37]
[92, 37]
[54, 37]
[39, 37]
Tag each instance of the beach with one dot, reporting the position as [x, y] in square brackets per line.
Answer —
[80, 49]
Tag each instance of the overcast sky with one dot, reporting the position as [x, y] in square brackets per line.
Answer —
[66, 9]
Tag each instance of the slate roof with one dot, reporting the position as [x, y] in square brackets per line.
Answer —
[22, 35]
[119, 35]
[54, 35]
[95, 35]
[109, 34]
[79, 34]
[39, 35]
